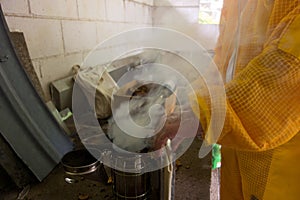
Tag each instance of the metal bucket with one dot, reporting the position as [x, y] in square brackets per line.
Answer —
[130, 183]
[80, 162]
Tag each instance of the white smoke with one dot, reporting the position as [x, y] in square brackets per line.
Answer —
[146, 115]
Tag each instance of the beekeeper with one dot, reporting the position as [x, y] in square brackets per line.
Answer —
[258, 54]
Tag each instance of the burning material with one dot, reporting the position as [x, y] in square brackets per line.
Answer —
[140, 107]
[134, 144]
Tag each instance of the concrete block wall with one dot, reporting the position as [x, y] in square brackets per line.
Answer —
[60, 33]
[182, 15]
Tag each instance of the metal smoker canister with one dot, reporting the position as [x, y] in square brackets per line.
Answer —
[132, 183]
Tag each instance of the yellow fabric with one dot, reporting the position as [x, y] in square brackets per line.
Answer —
[260, 144]
[290, 41]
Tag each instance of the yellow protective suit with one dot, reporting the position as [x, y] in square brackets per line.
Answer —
[260, 140]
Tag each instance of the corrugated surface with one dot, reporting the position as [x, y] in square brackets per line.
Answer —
[25, 122]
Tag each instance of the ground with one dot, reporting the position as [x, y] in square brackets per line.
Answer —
[192, 183]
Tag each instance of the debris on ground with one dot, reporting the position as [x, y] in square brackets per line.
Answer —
[23, 193]
[110, 180]
[83, 197]
[177, 164]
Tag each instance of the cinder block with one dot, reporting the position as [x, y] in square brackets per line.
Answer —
[92, 9]
[15, 6]
[183, 15]
[115, 10]
[43, 36]
[99, 57]
[56, 68]
[149, 16]
[141, 14]
[128, 27]
[61, 92]
[79, 35]
[176, 2]
[56, 8]
[37, 67]
[207, 35]
[106, 30]
[130, 11]
[146, 14]
[148, 2]
[108, 51]
[137, 13]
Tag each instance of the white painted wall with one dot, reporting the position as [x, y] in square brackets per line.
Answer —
[60, 33]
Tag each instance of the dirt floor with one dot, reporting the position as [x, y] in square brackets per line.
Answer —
[192, 182]
[193, 177]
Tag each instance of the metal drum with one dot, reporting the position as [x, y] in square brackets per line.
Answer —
[130, 183]
[131, 186]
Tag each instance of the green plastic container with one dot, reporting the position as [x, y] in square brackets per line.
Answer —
[216, 156]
